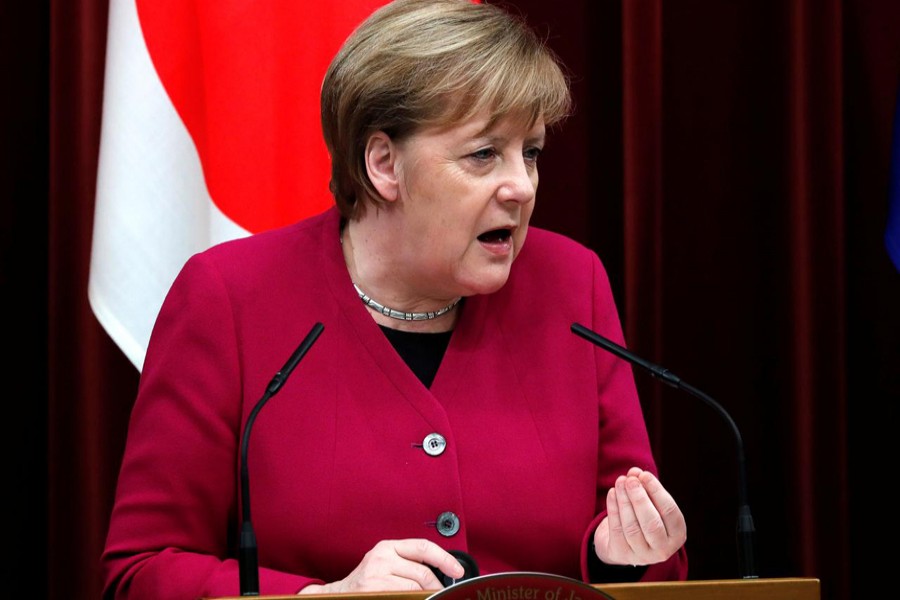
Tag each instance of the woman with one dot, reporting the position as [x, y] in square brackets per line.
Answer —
[446, 405]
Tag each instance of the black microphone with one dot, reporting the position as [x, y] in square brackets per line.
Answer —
[248, 566]
[745, 527]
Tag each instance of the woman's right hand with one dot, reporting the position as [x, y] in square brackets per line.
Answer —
[395, 565]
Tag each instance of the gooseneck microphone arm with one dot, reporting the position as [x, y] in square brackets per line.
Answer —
[745, 527]
[248, 560]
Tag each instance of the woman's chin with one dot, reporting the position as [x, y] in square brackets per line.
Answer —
[488, 281]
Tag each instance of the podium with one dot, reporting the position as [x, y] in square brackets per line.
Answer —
[731, 589]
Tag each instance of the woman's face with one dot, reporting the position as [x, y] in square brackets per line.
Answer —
[466, 196]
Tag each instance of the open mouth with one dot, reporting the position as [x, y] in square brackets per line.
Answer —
[496, 236]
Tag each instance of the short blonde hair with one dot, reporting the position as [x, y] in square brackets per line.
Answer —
[422, 63]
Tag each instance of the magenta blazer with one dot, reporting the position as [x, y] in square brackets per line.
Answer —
[508, 456]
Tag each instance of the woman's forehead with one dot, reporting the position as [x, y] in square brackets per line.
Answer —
[488, 124]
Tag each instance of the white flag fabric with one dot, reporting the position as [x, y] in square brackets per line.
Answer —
[152, 208]
[210, 132]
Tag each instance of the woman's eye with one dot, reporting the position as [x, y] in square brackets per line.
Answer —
[531, 154]
[483, 154]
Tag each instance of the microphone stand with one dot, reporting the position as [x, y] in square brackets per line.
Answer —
[745, 527]
[248, 565]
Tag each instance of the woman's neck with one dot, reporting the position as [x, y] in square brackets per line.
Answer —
[369, 254]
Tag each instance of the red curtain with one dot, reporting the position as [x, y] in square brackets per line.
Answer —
[727, 160]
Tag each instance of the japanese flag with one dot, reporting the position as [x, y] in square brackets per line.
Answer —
[210, 132]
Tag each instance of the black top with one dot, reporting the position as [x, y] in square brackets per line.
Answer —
[422, 352]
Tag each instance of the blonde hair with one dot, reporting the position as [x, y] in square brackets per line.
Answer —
[422, 63]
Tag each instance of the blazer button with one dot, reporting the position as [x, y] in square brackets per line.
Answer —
[434, 444]
[447, 524]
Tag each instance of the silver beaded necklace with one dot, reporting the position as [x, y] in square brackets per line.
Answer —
[399, 314]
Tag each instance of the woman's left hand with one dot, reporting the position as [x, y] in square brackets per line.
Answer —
[643, 525]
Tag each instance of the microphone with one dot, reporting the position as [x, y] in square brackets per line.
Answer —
[745, 527]
[248, 565]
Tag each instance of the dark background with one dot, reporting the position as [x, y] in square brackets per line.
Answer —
[728, 160]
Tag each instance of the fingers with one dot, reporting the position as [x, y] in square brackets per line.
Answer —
[612, 544]
[644, 524]
[400, 565]
[631, 501]
[426, 552]
[673, 525]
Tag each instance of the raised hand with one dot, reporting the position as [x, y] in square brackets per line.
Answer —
[643, 525]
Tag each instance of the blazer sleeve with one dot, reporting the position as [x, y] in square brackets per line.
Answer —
[174, 523]
[623, 438]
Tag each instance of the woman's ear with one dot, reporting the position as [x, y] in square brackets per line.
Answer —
[381, 165]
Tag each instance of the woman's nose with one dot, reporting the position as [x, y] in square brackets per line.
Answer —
[519, 182]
